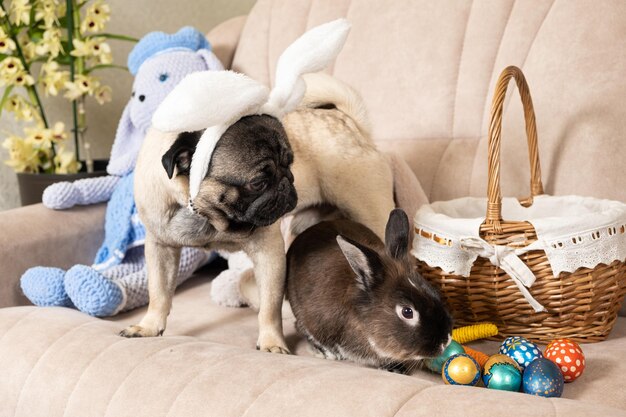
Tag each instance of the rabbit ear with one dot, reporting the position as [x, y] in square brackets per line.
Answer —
[212, 62]
[209, 98]
[397, 234]
[311, 52]
[365, 262]
[124, 150]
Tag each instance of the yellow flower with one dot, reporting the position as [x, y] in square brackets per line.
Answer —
[65, 162]
[103, 94]
[83, 84]
[29, 49]
[23, 156]
[46, 10]
[6, 44]
[58, 132]
[51, 79]
[12, 73]
[93, 47]
[2, 13]
[20, 107]
[20, 12]
[97, 15]
[11, 66]
[40, 137]
[23, 79]
[51, 43]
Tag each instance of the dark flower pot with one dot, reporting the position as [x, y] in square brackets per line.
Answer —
[32, 185]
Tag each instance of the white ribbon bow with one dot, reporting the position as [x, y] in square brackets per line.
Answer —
[506, 258]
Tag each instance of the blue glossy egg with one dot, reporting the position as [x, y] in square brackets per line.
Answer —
[544, 378]
[520, 350]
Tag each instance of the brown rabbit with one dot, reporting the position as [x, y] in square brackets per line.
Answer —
[356, 298]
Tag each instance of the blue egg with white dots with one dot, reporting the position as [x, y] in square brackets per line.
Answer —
[520, 350]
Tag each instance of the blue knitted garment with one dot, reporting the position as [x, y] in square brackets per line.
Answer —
[186, 38]
[122, 228]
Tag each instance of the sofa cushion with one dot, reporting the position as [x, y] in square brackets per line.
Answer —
[59, 362]
[427, 70]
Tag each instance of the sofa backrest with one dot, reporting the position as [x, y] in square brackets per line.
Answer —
[427, 69]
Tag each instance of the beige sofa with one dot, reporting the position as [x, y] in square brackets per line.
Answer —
[426, 69]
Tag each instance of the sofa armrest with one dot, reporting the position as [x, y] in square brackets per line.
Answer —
[225, 37]
[37, 236]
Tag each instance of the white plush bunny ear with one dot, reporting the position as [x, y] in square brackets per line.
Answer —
[208, 98]
[211, 100]
[311, 52]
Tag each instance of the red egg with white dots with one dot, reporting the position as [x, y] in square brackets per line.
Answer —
[568, 356]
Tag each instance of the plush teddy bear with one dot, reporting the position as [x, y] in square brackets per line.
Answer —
[117, 280]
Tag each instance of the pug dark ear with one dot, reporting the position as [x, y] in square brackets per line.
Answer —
[397, 234]
[180, 153]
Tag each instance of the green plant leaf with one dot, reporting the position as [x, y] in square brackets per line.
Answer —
[4, 98]
[117, 37]
[63, 59]
[104, 66]
[35, 34]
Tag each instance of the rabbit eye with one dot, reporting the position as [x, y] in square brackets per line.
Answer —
[407, 314]
[163, 77]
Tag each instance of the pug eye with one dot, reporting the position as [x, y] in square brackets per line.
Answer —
[163, 77]
[407, 314]
[256, 186]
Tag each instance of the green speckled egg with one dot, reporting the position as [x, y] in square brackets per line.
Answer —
[435, 364]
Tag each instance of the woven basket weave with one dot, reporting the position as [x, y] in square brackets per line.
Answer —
[582, 305]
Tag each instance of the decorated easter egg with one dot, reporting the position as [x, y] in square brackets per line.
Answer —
[502, 373]
[435, 364]
[460, 369]
[520, 350]
[542, 377]
[568, 356]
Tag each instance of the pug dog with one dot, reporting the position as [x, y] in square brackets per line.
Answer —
[288, 152]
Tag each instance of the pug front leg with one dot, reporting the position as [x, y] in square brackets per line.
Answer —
[270, 266]
[162, 263]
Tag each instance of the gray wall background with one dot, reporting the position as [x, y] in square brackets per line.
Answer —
[129, 17]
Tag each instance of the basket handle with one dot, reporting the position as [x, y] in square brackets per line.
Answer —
[494, 193]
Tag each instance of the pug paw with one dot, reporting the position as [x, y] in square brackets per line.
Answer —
[275, 349]
[138, 331]
[272, 344]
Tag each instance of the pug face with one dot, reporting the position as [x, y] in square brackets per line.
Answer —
[249, 183]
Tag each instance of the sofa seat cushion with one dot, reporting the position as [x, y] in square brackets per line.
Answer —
[59, 362]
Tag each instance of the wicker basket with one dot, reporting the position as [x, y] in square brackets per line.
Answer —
[582, 305]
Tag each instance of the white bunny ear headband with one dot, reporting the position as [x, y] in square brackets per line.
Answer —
[214, 100]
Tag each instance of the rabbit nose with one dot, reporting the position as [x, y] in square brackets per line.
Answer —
[142, 97]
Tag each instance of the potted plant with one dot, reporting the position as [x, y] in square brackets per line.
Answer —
[54, 47]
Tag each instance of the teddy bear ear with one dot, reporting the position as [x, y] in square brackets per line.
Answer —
[209, 98]
[311, 52]
[211, 61]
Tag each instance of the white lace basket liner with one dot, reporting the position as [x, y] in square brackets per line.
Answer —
[574, 232]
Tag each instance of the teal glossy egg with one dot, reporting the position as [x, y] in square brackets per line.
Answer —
[435, 364]
[502, 373]
[544, 378]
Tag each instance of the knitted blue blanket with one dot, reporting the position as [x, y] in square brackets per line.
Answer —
[122, 227]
